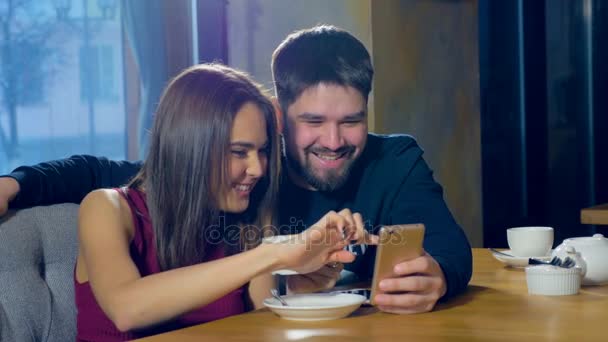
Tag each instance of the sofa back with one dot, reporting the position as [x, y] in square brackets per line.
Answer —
[38, 250]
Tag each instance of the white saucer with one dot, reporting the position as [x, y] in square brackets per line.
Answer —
[315, 306]
[517, 261]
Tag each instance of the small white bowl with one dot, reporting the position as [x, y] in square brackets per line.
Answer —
[552, 280]
[315, 306]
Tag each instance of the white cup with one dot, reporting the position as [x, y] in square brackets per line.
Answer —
[530, 241]
[281, 239]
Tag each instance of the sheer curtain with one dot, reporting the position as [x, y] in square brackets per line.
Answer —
[144, 26]
[160, 35]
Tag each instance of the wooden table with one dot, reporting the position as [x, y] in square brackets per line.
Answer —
[495, 307]
[595, 215]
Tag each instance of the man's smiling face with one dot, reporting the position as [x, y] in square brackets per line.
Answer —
[325, 132]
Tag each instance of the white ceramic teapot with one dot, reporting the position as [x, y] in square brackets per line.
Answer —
[593, 258]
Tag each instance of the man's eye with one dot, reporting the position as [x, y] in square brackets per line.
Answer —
[314, 123]
[352, 122]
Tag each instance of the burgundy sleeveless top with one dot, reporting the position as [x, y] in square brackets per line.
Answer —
[92, 322]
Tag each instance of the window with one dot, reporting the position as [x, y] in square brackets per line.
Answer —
[28, 59]
[61, 81]
[97, 73]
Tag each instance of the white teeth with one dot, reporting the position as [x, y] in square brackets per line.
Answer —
[243, 187]
[328, 157]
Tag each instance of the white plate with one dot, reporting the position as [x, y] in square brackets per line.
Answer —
[315, 306]
[516, 261]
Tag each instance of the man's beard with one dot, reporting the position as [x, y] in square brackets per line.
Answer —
[333, 179]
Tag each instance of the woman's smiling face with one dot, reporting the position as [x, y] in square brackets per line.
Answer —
[248, 158]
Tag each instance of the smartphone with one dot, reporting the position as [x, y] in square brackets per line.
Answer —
[398, 243]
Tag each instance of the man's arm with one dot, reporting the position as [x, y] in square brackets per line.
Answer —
[67, 180]
[446, 267]
[421, 200]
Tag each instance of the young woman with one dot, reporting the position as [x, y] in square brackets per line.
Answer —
[180, 244]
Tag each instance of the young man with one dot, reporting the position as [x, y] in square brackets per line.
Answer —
[323, 77]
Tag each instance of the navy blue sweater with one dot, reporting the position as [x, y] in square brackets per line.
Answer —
[390, 184]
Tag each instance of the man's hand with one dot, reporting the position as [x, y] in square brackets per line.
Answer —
[417, 287]
[322, 279]
[9, 188]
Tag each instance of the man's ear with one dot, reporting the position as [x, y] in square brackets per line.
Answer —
[278, 113]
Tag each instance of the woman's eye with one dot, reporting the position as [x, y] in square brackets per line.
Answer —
[239, 154]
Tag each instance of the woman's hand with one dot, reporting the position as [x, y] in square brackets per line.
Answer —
[359, 234]
[9, 188]
[318, 245]
[324, 242]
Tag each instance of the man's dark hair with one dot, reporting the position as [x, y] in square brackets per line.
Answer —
[322, 54]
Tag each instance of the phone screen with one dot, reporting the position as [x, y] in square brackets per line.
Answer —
[398, 243]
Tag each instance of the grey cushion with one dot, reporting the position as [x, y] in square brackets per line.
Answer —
[38, 249]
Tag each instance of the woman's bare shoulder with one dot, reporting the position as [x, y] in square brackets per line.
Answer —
[106, 206]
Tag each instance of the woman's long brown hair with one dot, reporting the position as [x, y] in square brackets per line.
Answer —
[188, 161]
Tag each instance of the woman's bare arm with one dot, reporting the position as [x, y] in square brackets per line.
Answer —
[132, 301]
